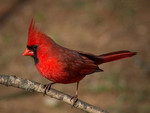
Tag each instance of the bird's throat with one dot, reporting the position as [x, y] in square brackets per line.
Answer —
[36, 60]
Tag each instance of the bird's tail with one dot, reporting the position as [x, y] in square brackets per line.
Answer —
[108, 57]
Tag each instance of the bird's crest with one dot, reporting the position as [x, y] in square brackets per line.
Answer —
[31, 27]
[35, 36]
[32, 34]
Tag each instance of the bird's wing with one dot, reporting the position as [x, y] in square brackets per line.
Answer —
[81, 64]
[89, 65]
[92, 57]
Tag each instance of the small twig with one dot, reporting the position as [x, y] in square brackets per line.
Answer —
[28, 85]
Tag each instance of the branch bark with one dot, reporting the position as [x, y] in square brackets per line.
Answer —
[28, 85]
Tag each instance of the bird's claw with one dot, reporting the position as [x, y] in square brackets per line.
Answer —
[47, 88]
[74, 99]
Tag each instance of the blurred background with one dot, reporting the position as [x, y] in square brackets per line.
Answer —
[94, 26]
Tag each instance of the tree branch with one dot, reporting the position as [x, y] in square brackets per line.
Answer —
[28, 85]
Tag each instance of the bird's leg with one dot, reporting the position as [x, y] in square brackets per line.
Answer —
[47, 87]
[75, 98]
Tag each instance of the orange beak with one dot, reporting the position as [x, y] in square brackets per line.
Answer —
[28, 52]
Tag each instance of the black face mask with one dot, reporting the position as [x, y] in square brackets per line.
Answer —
[34, 49]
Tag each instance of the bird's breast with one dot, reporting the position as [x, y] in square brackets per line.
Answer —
[57, 71]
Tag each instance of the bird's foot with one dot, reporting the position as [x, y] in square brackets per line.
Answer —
[47, 87]
[74, 99]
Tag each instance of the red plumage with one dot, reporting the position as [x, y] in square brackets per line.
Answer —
[62, 65]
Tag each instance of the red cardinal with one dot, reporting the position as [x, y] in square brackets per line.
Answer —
[62, 65]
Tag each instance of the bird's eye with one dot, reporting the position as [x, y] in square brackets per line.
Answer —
[32, 48]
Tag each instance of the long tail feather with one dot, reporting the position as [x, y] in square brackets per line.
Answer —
[114, 56]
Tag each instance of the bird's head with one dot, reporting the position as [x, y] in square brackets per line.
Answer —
[36, 40]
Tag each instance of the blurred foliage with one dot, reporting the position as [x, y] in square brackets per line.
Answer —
[7, 38]
[40, 16]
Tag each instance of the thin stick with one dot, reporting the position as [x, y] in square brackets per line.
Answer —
[28, 85]
[77, 89]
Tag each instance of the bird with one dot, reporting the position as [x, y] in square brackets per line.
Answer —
[62, 65]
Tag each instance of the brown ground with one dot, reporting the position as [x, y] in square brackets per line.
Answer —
[95, 26]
